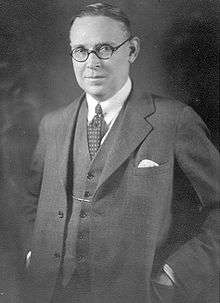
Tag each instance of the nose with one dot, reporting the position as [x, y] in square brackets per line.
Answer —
[93, 61]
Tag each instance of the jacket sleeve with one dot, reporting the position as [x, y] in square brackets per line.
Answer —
[32, 189]
[196, 263]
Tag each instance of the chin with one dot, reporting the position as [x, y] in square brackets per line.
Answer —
[96, 92]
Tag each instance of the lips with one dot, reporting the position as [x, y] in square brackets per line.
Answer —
[94, 77]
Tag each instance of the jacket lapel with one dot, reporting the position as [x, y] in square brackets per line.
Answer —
[133, 129]
[64, 136]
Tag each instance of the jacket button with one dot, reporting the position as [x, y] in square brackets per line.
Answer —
[57, 255]
[87, 194]
[83, 214]
[60, 214]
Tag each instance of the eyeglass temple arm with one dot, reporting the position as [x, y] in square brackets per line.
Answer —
[117, 47]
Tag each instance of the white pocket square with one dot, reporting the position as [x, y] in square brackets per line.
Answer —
[147, 163]
[28, 259]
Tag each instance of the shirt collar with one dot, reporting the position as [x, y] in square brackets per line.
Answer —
[110, 106]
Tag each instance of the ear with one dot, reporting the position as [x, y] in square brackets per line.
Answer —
[134, 49]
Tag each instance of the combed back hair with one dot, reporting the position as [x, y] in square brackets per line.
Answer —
[108, 10]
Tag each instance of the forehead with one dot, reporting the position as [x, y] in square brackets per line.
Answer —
[96, 29]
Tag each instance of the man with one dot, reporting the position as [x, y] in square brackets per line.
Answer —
[108, 196]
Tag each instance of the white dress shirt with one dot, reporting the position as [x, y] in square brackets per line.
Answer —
[110, 107]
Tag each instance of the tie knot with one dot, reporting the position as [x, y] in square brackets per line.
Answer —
[98, 110]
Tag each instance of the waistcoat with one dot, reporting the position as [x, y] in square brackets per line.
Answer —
[86, 174]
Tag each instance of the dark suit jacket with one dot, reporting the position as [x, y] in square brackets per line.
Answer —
[141, 217]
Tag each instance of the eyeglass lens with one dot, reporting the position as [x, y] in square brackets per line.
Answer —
[81, 54]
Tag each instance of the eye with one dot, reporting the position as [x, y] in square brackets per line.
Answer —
[104, 51]
[105, 48]
[79, 50]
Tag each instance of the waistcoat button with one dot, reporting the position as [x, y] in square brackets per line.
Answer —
[81, 236]
[57, 255]
[60, 214]
[87, 194]
[90, 176]
[83, 214]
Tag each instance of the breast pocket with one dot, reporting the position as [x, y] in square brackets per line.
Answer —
[161, 169]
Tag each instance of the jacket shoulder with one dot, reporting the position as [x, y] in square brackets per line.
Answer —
[177, 112]
[167, 104]
[57, 118]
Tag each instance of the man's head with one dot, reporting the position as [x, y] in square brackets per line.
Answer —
[105, 32]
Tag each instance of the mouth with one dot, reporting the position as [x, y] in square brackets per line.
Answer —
[94, 77]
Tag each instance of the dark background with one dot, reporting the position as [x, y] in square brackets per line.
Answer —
[179, 58]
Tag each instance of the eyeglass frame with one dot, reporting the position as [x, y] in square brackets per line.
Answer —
[94, 51]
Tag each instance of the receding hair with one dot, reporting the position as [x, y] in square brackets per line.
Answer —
[107, 10]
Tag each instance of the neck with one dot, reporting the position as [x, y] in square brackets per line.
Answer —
[104, 98]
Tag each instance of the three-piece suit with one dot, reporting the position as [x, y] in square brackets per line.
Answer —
[133, 219]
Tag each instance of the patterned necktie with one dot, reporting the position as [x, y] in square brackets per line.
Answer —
[96, 130]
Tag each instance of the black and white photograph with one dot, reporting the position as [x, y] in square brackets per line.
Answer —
[109, 151]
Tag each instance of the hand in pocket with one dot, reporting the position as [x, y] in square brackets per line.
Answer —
[161, 293]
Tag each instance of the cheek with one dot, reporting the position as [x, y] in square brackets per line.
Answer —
[118, 75]
[120, 66]
[78, 70]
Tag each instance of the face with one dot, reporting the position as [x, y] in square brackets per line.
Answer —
[102, 78]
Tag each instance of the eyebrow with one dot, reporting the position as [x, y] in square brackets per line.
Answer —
[96, 45]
